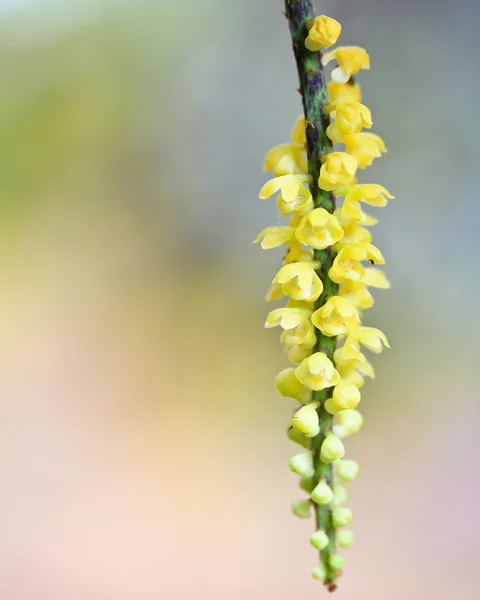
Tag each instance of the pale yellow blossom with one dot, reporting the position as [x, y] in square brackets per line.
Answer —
[299, 281]
[319, 229]
[295, 252]
[289, 386]
[349, 117]
[332, 449]
[297, 354]
[364, 147]
[286, 159]
[338, 169]
[338, 316]
[306, 420]
[370, 193]
[347, 423]
[358, 294]
[370, 337]
[349, 91]
[317, 372]
[274, 236]
[347, 265]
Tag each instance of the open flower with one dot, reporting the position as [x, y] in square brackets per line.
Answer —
[370, 337]
[338, 316]
[317, 372]
[319, 229]
[323, 31]
[297, 253]
[349, 91]
[349, 117]
[274, 236]
[350, 60]
[364, 147]
[370, 193]
[286, 159]
[296, 325]
[338, 169]
[358, 294]
[347, 265]
[299, 281]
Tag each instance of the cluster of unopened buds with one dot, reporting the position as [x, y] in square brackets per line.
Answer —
[309, 316]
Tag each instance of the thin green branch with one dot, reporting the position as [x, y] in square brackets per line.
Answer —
[314, 95]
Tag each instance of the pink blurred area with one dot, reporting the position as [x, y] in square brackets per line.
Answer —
[142, 446]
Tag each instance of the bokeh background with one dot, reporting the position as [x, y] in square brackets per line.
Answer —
[142, 443]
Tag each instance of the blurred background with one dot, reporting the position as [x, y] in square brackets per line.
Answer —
[142, 446]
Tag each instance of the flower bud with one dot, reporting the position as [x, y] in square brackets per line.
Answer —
[322, 494]
[336, 561]
[302, 464]
[332, 449]
[306, 420]
[339, 495]
[346, 470]
[306, 484]
[319, 540]
[298, 437]
[341, 516]
[301, 508]
[318, 572]
[347, 423]
[345, 538]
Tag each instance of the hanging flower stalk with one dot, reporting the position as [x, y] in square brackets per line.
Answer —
[326, 273]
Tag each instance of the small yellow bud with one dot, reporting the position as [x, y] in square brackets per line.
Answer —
[306, 484]
[346, 395]
[306, 420]
[338, 316]
[345, 538]
[323, 31]
[341, 516]
[289, 386]
[332, 449]
[357, 293]
[298, 132]
[338, 169]
[319, 573]
[319, 229]
[346, 470]
[317, 372]
[302, 464]
[319, 540]
[297, 354]
[297, 437]
[301, 508]
[322, 494]
[349, 92]
[347, 423]
[339, 495]
[296, 324]
[336, 561]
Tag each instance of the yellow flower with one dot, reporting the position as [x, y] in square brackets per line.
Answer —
[298, 132]
[347, 423]
[375, 278]
[370, 193]
[296, 324]
[319, 229]
[350, 374]
[347, 265]
[289, 386]
[297, 354]
[346, 470]
[364, 147]
[290, 187]
[351, 358]
[357, 293]
[299, 281]
[353, 234]
[350, 117]
[323, 31]
[338, 316]
[274, 236]
[350, 60]
[306, 420]
[286, 159]
[338, 169]
[317, 372]
[352, 213]
[370, 337]
[297, 253]
[349, 91]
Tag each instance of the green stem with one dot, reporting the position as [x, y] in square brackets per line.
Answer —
[314, 95]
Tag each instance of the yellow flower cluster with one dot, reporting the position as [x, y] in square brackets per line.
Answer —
[303, 321]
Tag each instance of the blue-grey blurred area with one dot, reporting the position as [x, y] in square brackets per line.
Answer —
[142, 446]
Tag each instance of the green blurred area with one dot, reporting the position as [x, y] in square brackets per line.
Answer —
[142, 440]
